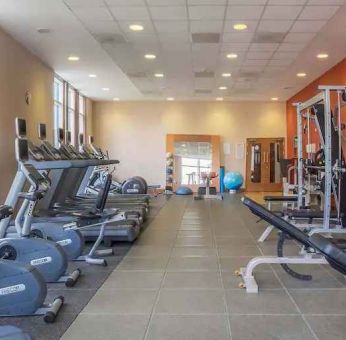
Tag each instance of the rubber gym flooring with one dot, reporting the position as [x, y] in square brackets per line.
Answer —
[177, 282]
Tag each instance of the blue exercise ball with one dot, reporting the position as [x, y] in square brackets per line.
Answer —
[233, 180]
[183, 191]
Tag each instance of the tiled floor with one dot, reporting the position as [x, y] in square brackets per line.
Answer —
[178, 282]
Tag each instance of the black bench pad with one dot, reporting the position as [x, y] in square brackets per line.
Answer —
[308, 213]
[280, 198]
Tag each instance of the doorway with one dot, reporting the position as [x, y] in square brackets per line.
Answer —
[263, 156]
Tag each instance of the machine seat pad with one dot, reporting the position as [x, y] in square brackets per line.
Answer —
[280, 198]
[308, 213]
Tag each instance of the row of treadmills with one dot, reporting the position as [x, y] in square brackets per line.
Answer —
[55, 216]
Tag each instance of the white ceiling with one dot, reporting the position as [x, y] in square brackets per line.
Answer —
[283, 38]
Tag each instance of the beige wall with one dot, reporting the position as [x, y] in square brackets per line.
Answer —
[89, 118]
[135, 132]
[20, 71]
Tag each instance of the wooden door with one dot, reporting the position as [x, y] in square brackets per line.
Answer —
[263, 157]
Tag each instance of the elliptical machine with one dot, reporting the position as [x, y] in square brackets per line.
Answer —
[47, 256]
[23, 289]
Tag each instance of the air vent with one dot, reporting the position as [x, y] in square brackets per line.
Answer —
[110, 39]
[137, 74]
[205, 38]
[202, 91]
[268, 37]
[204, 74]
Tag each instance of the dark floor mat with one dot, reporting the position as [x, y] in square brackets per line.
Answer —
[76, 298]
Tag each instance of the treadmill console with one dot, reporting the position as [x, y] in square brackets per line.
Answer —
[20, 127]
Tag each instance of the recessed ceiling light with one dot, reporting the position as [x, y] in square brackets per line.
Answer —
[116, 99]
[150, 56]
[226, 75]
[73, 58]
[219, 99]
[136, 27]
[159, 75]
[322, 56]
[301, 74]
[240, 27]
[232, 55]
[105, 88]
[223, 88]
[274, 99]
[92, 76]
[170, 99]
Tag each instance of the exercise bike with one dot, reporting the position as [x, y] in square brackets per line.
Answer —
[23, 289]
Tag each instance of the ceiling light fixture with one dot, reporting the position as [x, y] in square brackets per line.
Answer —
[232, 56]
[105, 88]
[240, 27]
[170, 99]
[226, 75]
[219, 99]
[92, 76]
[223, 88]
[136, 28]
[150, 56]
[73, 58]
[301, 74]
[274, 99]
[159, 75]
[322, 56]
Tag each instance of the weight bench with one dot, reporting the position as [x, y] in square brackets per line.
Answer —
[326, 251]
[275, 199]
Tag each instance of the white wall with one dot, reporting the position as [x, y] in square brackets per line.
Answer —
[135, 132]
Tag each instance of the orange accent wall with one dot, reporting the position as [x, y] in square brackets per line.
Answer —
[334, 76]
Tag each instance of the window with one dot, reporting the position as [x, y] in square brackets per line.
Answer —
[58, 107]
[71, 113]
[192, 168]
[81, 115]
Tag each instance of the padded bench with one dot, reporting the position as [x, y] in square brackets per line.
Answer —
[280, 198]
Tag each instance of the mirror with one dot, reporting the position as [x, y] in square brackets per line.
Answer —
[274, 161]
[256, 163]
[191, 159]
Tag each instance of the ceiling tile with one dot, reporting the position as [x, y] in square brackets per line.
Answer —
[141, 38]
[259, 55]
[280, 62]
[166, 2]
[254, 62]
[318, 12]
[294, 47]
[172, 26]
[308, 26]
[251, 25]
[101, 26]
[205, 48]
[285, 55]
[198, 26]
[326, 2]
[263, 47]
[174, 37]
[247, 2]
[84, 3]
[205, 38]
[275, 26]
[130, 13]
[204, 83]
[299, 37]
[169, 13]
[282, 12]
[206, 2]
[127, 3]
[244, 12]
[236, 47]
[286, 2]
[99, 13]
[206, 12]
[237, 37]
